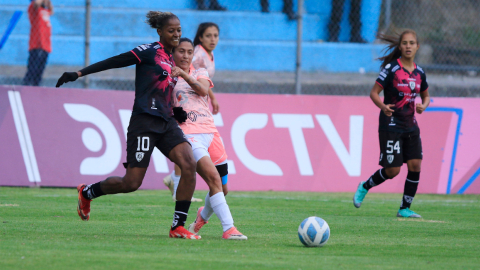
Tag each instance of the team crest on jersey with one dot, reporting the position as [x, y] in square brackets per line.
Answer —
[139, 156]
[412, 85]
[390, 158]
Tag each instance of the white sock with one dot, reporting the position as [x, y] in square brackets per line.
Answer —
[207, 211]
[221, 209]
[176, 180]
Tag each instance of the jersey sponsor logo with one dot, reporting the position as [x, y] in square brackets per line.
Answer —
[402, 84]
[412, 85]
[139, 156]
[395, 68]
[390, 158]
[192, 116]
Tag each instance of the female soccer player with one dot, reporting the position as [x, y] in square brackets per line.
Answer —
[191, 93]
[401, 80]
[151, 124]
[205, 42]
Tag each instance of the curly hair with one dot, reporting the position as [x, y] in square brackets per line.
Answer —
[158, 19]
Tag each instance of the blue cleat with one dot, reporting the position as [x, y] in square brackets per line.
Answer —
[407, 213]
[359, 195]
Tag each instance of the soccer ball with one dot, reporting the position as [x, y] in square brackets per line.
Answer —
[313, 232]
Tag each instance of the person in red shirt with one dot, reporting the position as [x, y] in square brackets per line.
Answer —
[39, 46]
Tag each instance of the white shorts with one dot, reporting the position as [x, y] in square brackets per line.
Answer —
[208, 144]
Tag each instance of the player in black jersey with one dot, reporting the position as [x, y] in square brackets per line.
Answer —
[151, 124]
[401, 80]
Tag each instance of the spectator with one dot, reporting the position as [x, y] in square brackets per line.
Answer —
[353, 18]
[213, 5]
[39, 13]
[287, 8]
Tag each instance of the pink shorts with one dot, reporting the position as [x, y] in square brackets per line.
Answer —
[208, 144]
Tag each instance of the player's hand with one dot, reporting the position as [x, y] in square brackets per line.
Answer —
[387, 109]
[215, 106]
[67, 77]
[176, 71]
[420, 108]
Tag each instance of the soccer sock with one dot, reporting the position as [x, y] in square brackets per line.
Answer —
[376, 179]
[181, 213]
[207, 211]
[176, 180]
[411, 184]
[221, 209]
[92, 191]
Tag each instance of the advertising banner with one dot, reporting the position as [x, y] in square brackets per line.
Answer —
[63, 137]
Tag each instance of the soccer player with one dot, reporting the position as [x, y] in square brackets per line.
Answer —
[151, 124]
[200, 131]
[401, 80]
[205, 42]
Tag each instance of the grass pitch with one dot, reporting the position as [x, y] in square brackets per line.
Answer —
[40, 229]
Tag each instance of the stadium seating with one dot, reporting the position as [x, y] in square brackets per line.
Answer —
[250, 40]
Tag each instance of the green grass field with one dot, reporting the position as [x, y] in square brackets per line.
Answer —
[40, 229]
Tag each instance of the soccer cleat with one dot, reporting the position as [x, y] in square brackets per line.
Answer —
[359, 195]
[83, 207]
[233, 234]
[181, 232]
[407, 213]
[198, 223]
[168, 181]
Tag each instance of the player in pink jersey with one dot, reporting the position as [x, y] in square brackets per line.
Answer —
[401, 80]
[205, 42]
[200, 131]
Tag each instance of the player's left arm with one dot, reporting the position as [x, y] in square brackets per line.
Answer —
[49, 5]
[213, 100]
[420, 107]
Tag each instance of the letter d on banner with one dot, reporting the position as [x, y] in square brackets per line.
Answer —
[109, 161]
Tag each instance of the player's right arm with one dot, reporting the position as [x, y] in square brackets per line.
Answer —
[119, 61]
[375, 96]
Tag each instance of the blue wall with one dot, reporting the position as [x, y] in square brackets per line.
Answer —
[247, 35]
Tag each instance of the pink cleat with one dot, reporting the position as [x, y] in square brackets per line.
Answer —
[198, 223]
[233, 234]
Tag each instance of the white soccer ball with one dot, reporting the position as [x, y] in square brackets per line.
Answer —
[313, 232]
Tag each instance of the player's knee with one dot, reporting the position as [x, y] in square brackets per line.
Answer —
[392, 172]
[131, 186]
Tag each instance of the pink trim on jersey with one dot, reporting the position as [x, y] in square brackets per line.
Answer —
[201, 47]
[379, 84]
[139, 61]
[206, 78]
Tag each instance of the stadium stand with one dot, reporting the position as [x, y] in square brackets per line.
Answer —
[250, 40]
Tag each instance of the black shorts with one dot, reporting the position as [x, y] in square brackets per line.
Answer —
[398, 148]
[145, 132]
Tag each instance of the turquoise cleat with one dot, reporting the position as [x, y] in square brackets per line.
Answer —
[407, 213]
[359, 195]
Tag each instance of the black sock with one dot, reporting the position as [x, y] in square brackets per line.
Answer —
[411, 184]
[92, 191]
[376, 179]
[181, 213]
